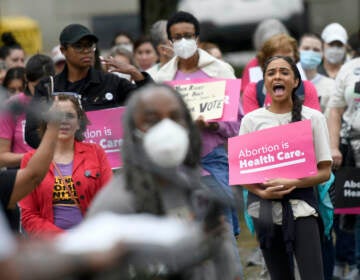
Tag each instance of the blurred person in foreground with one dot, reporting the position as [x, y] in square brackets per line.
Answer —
[161, 155]
[97, 89]
[25, 259]
[37, 260]
[78, 171]
[12, 120]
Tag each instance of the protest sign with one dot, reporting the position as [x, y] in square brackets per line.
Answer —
[347, 190]
[106, 130]
[283, 151]
[214, 99]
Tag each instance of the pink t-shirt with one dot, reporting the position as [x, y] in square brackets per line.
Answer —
[250, 102]
[12, 127]
[199, 74]
[245, 79]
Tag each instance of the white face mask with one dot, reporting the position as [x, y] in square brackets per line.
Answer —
[185, 48]
[166, 143]
[126, 46]
[334, 55]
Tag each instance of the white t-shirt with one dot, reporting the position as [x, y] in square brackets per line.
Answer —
[344, 96]
[324, 87]
[262, 118]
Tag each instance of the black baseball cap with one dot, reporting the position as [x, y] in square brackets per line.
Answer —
[74, 32]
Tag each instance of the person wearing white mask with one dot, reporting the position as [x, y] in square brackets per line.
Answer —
[335, 38]
[161, 176]
[191, 62]
[311, 53]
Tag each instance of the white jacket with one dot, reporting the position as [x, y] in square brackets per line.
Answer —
[212, 67]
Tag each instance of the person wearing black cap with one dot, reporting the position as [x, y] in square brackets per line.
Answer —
[98, 90]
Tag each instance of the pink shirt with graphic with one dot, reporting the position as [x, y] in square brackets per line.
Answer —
[12, 127]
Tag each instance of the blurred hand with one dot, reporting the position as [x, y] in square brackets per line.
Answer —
[54, 116]
[205, 125]
[114, 66]
[106, 259]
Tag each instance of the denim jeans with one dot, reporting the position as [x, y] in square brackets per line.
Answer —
[357, 241]
[344, 246]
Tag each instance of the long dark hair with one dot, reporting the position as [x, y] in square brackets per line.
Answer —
[297, 103]
[141, 175]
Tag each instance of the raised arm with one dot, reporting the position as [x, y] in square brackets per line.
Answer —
[29, 177]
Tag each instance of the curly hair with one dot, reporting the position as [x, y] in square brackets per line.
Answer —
[297, 103]
[277, 43]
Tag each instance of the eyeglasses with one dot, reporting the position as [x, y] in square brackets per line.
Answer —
[81, 47]
[187, 36]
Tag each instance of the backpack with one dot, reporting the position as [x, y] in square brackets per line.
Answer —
[260, 96]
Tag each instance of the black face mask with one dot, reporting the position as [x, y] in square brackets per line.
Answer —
[357, 87]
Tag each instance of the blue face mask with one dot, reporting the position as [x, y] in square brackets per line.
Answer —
[310, 59]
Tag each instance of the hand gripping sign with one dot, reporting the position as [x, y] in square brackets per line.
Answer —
[283, 151]
[214, 99]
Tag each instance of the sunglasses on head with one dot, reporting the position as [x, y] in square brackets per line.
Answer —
[68, 93]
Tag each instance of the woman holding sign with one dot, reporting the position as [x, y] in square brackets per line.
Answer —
[78, 171]
[285, 210]
[193, 63]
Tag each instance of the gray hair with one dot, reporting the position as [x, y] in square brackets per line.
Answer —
[266, 29]
[158, 33]
[119, 50]
[141, 175]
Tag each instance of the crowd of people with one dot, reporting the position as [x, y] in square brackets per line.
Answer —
[53, 181]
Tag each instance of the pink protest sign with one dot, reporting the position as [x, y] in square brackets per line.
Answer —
[106, 130]
[231, 98]
[283, 151]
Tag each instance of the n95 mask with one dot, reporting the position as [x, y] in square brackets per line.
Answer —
[185, 48]
[166, 143]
